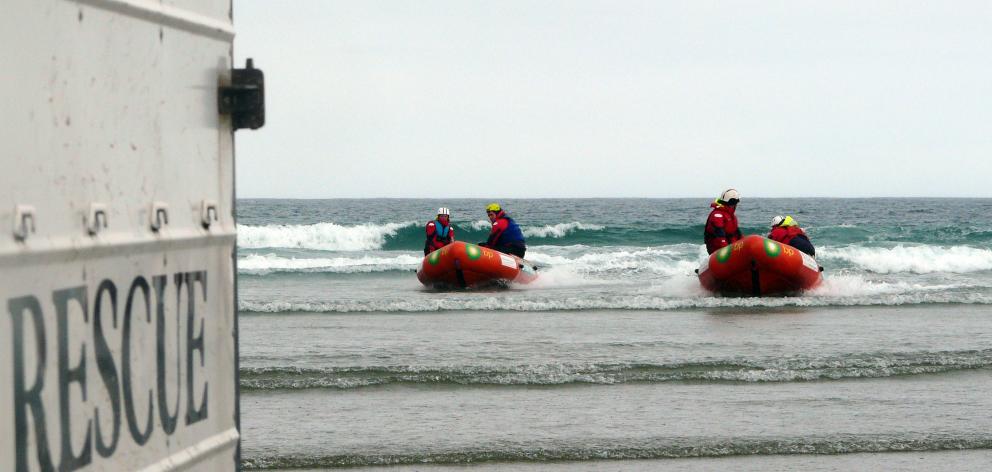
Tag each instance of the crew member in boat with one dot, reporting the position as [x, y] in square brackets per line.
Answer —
[439, 231]
[721, 226]
[786, 230]
[505, 236]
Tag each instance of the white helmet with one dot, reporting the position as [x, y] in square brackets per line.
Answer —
[730, 194]
[778, 220]
[443, 211]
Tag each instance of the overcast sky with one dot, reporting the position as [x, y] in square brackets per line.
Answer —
[496, 99]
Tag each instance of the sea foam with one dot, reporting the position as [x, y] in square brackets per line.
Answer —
[604, 302]
[267, 263]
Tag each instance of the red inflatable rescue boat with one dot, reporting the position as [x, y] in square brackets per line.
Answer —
[462, 265]
[758, 266]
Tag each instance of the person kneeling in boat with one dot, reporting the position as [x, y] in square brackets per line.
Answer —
[786, 230]
[505, 236]
[439, 231]
[721, 226]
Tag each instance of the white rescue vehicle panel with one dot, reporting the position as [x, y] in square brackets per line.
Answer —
[118, 328]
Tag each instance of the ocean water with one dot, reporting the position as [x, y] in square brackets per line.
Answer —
[615, 359]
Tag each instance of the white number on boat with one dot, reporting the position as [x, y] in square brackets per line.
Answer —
[507, 261]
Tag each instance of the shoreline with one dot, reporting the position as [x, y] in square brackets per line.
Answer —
[958, 460]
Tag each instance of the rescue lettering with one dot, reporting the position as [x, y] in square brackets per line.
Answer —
[98, 310]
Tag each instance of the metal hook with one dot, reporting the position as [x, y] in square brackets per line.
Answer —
[160, 215]
[208, 213]
[96, 219]
[23, 215]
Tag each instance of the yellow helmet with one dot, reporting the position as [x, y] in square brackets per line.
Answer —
[493, 207]
[784, 221]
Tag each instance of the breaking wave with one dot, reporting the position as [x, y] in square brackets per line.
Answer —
[321, 236]
[409, 235]
[559, 230]
[913, 259]
[733, 370]
[550, 231]
[480, 225]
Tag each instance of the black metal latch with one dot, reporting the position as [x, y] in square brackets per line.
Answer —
[244, 99]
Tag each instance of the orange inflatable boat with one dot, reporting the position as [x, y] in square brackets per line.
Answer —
[758, 266]
[462, 265]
